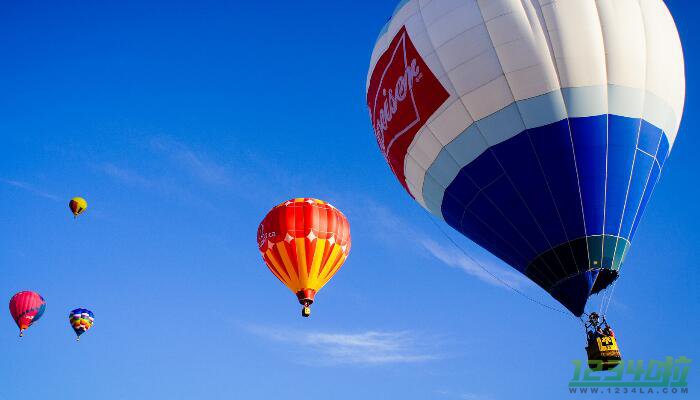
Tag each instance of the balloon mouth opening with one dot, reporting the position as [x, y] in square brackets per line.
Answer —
[306, 297]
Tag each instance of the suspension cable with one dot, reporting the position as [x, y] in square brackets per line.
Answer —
[612, 292]
[480, 265]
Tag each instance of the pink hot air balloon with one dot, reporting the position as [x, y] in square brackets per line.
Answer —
[26, 308]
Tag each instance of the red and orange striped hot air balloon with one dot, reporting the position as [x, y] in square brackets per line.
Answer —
[304, 242]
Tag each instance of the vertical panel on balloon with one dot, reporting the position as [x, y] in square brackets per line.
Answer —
[466, 209]
[500, 203]
[622, 144]
[589, 137]
[40, 312]
[458, 195]
[577, 42]
[649, 138]
[621, 248]
[555, 151]
[293, 227]
[653, 180]
[665, 69]
[663, 152]
[640, 176]
[483, 220]
[480, 231]
[530, 207]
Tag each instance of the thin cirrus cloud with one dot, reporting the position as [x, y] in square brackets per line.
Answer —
[461, 396]
[492, 274]
[196, 163]
[368, 348]
[30, 188]
[162, 185]
[474, 265]
[126, 176]
[171, 153]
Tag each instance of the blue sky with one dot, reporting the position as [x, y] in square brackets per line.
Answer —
[182, 123]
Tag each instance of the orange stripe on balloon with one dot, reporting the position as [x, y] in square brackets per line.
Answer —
[339, 262]
[326, 254]
[301, 261]
[291, 249]
[314, 280]
[289, 265]
[330, 262]
[275, 267]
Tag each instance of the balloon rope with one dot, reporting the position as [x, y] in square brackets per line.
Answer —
[504, 283]
[606, 299]
[612, 292]
[603, 296]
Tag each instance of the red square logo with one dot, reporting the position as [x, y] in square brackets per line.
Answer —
[403, 93]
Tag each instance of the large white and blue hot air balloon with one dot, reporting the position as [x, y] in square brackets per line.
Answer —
[536, 128]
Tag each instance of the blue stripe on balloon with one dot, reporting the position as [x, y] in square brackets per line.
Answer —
[622, 140]
[540, 215]
[40, 312]
[544, 110]
[653, 178]
[589, 138]
[553, 147]
[552, 184]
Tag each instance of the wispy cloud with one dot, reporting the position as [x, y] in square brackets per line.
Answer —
[163, 185]
[30, 188]
[369, 347]
[455, 258]
[471, 396]
[462, 396]
[196, 163]
[125, 175]
[387, 221]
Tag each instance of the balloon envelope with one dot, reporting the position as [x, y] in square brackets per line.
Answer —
[538, 129]
[77, 205]
[81, 320]
[26, 308]
[304, 242]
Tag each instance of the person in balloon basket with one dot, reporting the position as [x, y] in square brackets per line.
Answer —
[590, 335]
[607, 331]
[598, 328]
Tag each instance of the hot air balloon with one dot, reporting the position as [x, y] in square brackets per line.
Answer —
[81, 320]
[77, 205]
[26, 308]
[537, 129]
[304, 242]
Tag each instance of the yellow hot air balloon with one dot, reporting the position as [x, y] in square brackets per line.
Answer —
[77, 205]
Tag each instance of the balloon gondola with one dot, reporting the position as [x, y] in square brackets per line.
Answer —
[601, 348]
